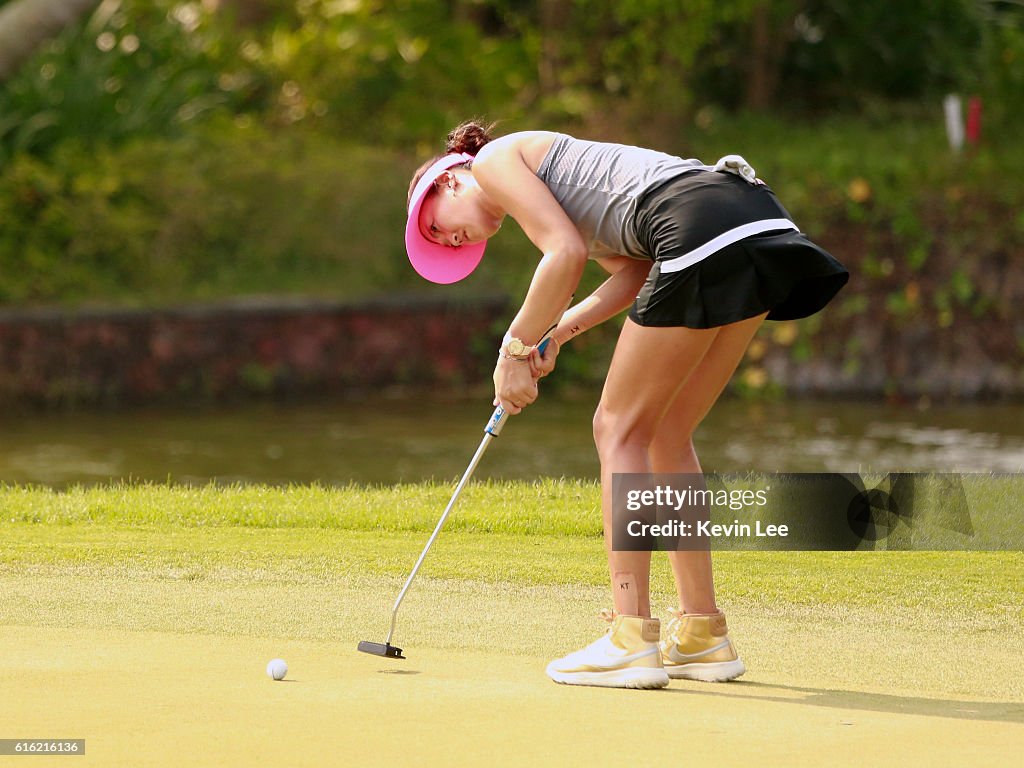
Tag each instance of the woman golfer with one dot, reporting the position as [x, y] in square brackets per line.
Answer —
[701, 255]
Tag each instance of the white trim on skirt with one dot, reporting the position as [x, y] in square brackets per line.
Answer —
[726, 238]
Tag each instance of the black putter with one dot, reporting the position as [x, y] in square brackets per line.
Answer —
[380, 649]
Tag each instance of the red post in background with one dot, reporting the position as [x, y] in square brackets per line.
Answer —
[974, 120]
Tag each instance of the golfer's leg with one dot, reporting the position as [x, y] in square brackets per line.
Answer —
[672, 449]
[695, 642]
[647, 370]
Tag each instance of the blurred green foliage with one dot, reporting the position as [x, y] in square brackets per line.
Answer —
[135, 68]
[401, 72]
[216, 212]
[166, 150]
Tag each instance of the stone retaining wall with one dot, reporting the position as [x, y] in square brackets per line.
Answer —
[284, 347]
[257, 347]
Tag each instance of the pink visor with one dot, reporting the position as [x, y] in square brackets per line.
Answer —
[438, 263]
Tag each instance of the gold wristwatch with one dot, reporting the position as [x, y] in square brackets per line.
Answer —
[515, 349]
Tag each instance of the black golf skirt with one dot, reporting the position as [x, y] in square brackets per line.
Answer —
[725, 250]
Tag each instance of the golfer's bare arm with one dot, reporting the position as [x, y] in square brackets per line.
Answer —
[502, 171]
[611, 297]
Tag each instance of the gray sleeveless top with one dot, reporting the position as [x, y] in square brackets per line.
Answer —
[598, 185]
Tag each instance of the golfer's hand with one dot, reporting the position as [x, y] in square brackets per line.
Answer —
[542, 365]
[514, 385]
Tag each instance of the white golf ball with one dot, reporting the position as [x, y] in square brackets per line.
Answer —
[277, 669]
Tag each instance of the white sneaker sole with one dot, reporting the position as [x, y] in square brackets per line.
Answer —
[719, 672]
[630, 677]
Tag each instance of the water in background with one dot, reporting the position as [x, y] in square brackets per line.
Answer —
[383, 441]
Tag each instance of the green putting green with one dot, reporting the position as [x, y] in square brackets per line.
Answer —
[150, 641]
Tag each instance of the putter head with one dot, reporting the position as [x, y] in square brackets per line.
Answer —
[381, 649]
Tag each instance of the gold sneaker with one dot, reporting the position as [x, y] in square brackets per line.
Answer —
[626, 657]
[697, 647]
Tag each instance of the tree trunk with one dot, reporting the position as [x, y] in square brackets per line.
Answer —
[769, 35]
[27, 24]
[554, 19]
[247, 13]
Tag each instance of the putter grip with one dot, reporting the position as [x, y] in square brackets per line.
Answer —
[497, 420]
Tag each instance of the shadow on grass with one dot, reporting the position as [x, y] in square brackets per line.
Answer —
[995, 711]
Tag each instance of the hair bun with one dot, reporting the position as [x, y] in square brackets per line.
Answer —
[469, 137]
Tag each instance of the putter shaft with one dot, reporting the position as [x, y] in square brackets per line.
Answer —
[488, 436]
[492, 430]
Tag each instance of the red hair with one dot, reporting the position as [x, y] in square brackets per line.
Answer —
[468, 137]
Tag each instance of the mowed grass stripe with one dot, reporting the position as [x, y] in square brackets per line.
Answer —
[546, 507]
[985, 584]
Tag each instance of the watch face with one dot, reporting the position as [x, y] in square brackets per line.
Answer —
[516, 348]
